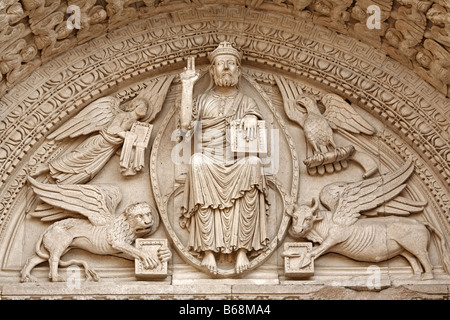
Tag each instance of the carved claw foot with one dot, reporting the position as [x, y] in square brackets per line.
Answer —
[307, 259]
[57, 278]
[28, 278]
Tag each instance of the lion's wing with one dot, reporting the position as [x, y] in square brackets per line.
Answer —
[96, 203]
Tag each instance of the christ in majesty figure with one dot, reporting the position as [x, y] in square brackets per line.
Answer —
[225, 200]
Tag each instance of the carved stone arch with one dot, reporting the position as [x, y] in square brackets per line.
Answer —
[414, 116]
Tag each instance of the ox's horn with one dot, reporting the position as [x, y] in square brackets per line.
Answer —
[314, 204]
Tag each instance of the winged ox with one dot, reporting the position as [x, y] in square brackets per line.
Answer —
[367, 221]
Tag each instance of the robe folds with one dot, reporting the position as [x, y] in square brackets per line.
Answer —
[86, 160]
[225, 197]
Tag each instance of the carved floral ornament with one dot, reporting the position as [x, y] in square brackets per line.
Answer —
[279, 74]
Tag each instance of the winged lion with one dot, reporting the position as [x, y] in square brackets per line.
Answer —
[85, 219]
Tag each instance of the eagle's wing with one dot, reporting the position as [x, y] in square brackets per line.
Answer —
[290, 91]
[341, 115]
[96, 203]
[94, 117]
[365, 195]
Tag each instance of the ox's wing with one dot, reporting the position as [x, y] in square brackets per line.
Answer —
[357, 197]
[96, 203]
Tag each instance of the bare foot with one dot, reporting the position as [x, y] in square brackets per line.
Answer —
[210, 262]
[242, 262]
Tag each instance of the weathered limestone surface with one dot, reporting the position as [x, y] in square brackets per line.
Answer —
[119, 177]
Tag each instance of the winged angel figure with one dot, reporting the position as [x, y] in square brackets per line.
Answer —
[107, 126]
[319, 127]
[85, 219]
[348, 227]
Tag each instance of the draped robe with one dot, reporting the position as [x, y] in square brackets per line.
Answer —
[225, 199]
[86, 160]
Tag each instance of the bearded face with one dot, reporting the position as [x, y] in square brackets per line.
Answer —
[226, 71]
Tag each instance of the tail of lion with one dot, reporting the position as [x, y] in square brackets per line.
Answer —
[443, 247]
[39, 247]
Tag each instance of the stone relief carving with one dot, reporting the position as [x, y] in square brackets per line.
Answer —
[19, 62]
[361, 30]
[440, 31]
[225, 199]
[376, 92]
[403, 24]
[197, 225]
[332, 14]
[404, 38]
[92, 19]
[103, 232]
[52, 35]
[107, 127]
[242, 245]
[400, 109]
[11, 12]
[319, 127]
[342, 229]
[112, 127]
[433, 64]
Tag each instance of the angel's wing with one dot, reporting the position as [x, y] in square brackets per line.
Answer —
[94, 117]
[290, 91]
[96, 203]
[341, 115]
[155, 93]
[357, 197]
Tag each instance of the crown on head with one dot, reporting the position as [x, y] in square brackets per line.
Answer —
[225, 47]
